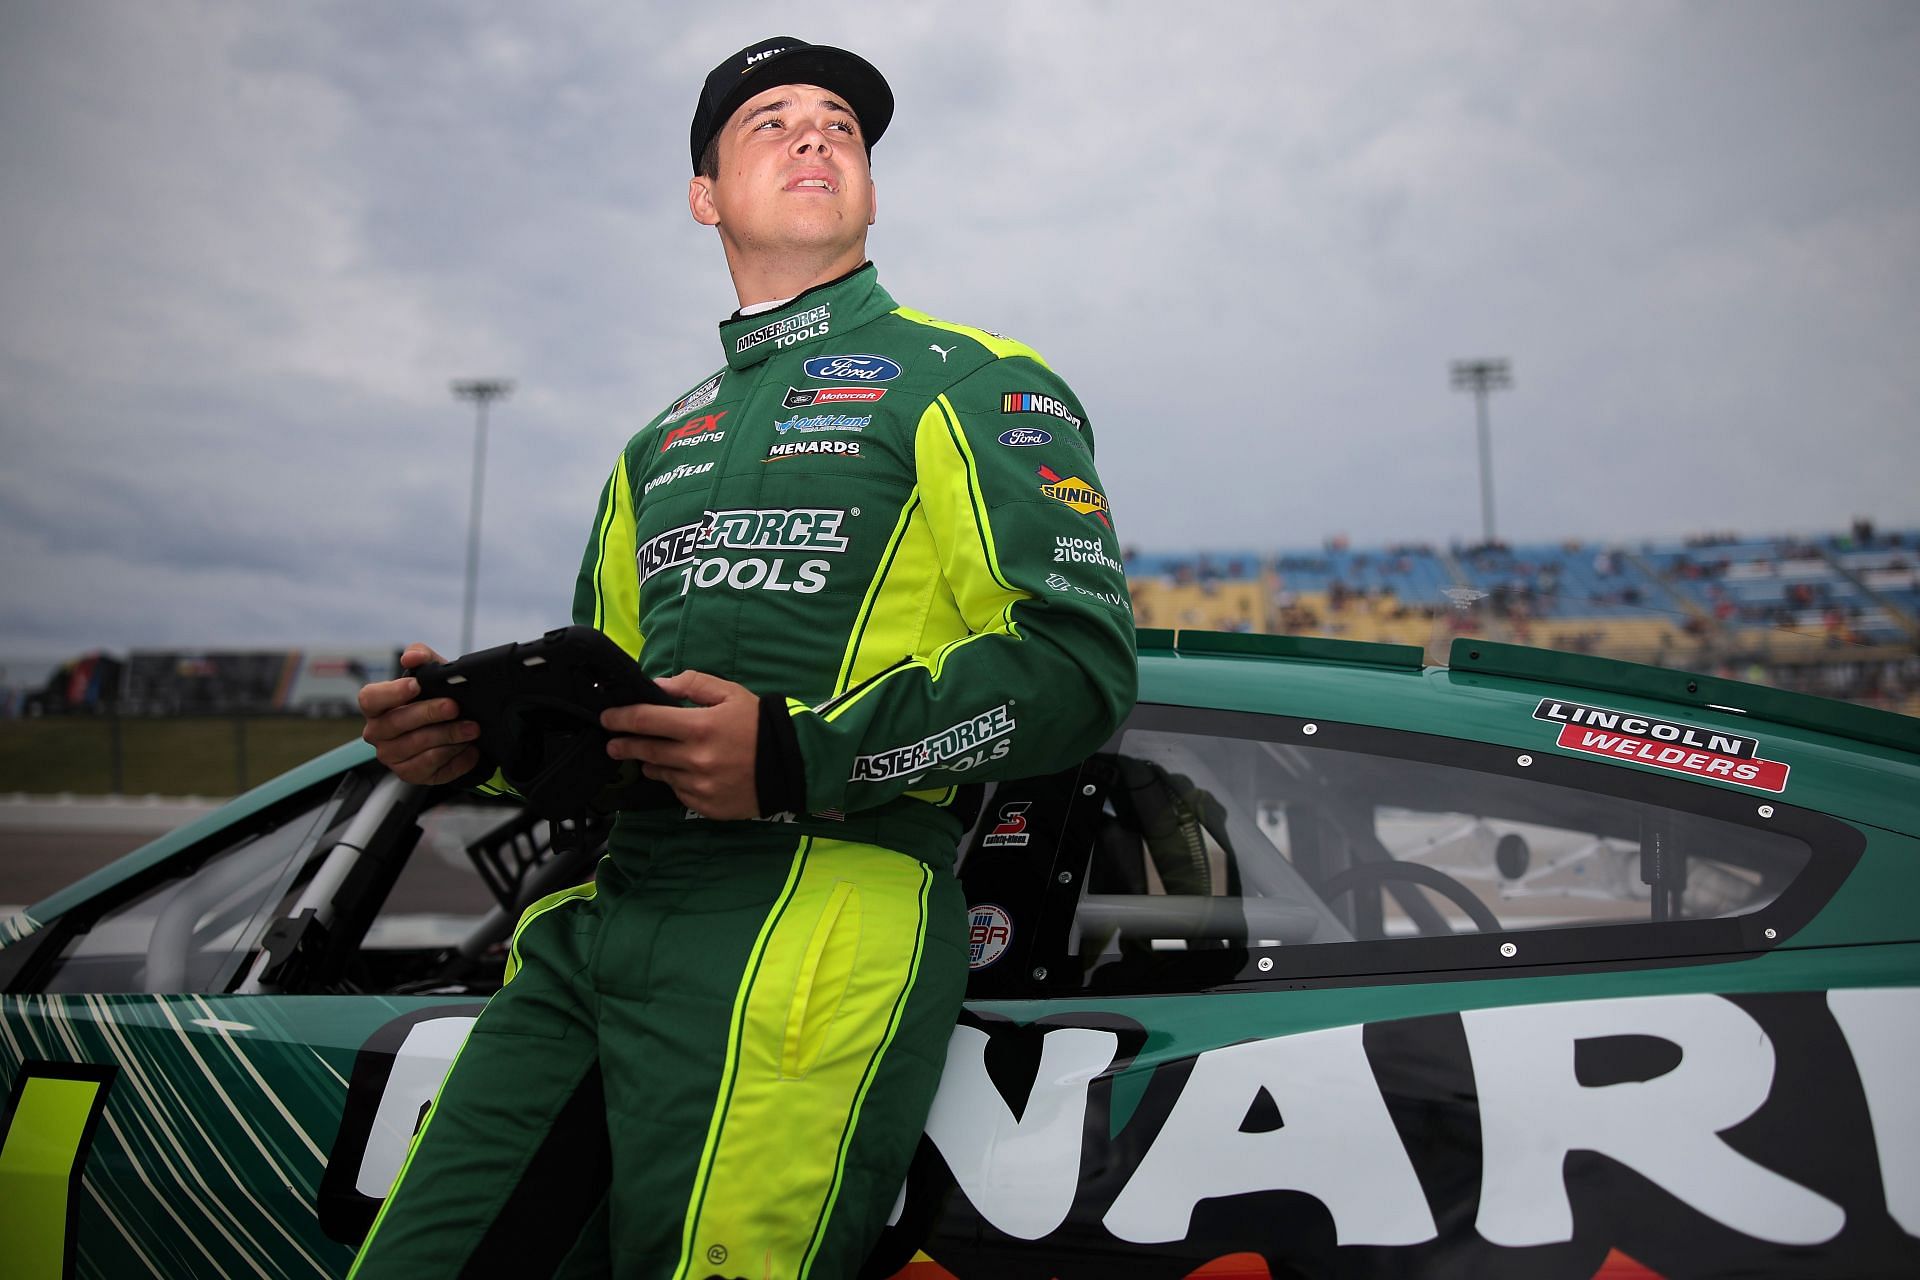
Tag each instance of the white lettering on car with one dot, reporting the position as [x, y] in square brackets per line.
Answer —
[1534, 1111]
[1020, 1173]
[1880, 1026]
[1337, 1143]
[419, 1066]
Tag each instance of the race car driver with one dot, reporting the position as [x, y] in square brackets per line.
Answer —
[872, 552]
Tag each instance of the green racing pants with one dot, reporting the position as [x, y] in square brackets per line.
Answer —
[712, 1062]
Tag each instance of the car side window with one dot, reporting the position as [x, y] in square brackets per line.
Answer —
[1229, 846]
[192, 929]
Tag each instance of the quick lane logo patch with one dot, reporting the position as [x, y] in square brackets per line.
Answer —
[824, 422]
[1664, 744]
[788, 330]
[1075, 492]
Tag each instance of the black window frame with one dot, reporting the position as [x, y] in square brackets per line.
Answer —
[1042, 965]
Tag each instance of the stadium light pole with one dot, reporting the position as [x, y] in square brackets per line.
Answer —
[483, 392]
[1482, 377]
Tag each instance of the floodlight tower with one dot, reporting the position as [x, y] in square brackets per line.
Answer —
[1482, 377]
[483, 392]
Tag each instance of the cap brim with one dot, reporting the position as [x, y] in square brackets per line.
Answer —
[839, 71]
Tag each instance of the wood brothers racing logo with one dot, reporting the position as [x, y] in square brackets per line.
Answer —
[796, 529]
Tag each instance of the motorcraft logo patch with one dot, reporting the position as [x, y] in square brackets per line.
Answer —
[951, 742]
[804, 448]
[1075, 492]
[778, 528]
[851, 369]
[802, 397]
[1031, 402]
[1664, 744]
[698, 398]
[788, 330]
[825, 422]
[696, 431]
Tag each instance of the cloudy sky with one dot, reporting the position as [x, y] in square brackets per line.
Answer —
[244, 248]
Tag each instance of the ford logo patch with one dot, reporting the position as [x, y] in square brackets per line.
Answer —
[852, 368]
[1026, 435]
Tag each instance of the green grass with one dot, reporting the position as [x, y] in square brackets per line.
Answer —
[172, 757]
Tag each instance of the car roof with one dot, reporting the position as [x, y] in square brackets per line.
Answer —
[1844, 759]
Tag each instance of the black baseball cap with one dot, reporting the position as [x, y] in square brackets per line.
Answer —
[786, 60]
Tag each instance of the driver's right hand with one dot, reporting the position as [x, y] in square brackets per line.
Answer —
[424, 743]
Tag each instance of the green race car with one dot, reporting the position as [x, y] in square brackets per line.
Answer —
[1328, 963]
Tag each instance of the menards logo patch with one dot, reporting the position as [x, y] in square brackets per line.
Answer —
[1664, 744]
[1076, 493]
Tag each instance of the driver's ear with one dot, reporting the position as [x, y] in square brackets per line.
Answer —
[700, 201]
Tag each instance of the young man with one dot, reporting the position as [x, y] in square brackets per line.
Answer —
[872, 551]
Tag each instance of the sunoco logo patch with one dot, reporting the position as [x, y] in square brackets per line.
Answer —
[1664, 744]
[1075, 492]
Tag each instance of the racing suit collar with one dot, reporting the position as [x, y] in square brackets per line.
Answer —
[831, 309]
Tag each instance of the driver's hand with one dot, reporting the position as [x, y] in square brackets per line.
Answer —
[422, 742]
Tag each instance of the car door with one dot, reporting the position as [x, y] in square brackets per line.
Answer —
[1262, 995]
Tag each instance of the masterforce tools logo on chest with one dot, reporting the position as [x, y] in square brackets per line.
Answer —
[771, 529]
[788, 330]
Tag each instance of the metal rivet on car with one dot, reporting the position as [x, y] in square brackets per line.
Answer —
[1309, 729]
[1508, 950]
[1766, 811]
[1266, 964]
[1040, 974]
[1772, 934]
[1525, 761]
[1088, 790]
[1066, 877]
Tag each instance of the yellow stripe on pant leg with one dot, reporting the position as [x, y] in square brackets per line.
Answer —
[821, 1010]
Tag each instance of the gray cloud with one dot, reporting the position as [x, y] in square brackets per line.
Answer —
[246, 248]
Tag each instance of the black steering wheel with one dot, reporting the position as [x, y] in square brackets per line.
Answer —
[1370, 875]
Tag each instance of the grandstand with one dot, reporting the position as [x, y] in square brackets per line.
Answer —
[1837, 615]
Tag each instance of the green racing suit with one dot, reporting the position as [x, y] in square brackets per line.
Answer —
[716, 1060]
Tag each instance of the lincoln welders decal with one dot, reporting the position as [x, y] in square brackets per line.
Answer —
[1664, 744]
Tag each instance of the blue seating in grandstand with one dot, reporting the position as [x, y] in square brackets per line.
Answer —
[1783, 583]
[1567, 580]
